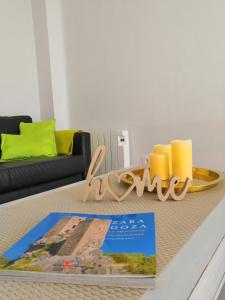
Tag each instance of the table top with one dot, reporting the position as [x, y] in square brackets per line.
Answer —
[188, 233]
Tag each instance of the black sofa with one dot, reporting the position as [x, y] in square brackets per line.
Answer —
[21, 178]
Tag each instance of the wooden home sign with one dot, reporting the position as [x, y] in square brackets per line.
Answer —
[101, 185]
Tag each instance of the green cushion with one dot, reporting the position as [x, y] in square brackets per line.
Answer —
[38, 128]
[22, 146]
[41, 130]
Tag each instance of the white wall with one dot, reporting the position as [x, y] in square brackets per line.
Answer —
[156, 67]
[41, 37]
[18, 75]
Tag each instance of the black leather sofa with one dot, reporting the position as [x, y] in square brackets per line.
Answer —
[21, 178]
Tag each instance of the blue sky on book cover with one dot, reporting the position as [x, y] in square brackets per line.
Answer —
[130, 234]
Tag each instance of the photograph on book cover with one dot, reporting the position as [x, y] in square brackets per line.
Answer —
[84, 244]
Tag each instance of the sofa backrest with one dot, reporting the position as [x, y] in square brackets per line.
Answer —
[10, 125]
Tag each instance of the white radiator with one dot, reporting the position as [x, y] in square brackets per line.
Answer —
[118, 148]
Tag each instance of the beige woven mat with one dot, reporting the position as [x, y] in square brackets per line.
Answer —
[175, 223]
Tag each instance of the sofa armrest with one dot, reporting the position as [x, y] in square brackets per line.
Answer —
[82, 146]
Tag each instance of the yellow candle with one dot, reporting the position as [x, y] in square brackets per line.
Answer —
[164, 149]
[182, 159]
[159, 165]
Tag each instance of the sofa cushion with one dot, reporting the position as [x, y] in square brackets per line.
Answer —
[24, 173]
[44, 132]
[19, 146]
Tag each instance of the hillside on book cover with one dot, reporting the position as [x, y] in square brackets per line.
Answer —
[87, 245]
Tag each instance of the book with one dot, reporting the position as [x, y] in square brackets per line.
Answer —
[115, 250]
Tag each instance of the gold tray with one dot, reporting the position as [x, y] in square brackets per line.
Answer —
[203, 179]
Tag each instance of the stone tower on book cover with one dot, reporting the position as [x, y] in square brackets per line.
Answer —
[83, 233]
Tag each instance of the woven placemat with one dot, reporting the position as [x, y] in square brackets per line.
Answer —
[175, 223]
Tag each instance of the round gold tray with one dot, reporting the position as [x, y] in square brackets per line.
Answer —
[203, 179]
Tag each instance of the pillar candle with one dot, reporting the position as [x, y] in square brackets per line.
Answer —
[164, 149]
[159, 165]
[182, 159]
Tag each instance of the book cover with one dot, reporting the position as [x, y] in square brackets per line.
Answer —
[86, 245]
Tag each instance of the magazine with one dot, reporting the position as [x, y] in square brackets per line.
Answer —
[115, 250]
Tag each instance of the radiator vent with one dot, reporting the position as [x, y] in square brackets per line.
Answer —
[118, 148]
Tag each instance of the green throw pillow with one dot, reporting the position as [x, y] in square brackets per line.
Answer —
[38, 128]
[22, 146]
[41, 130]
